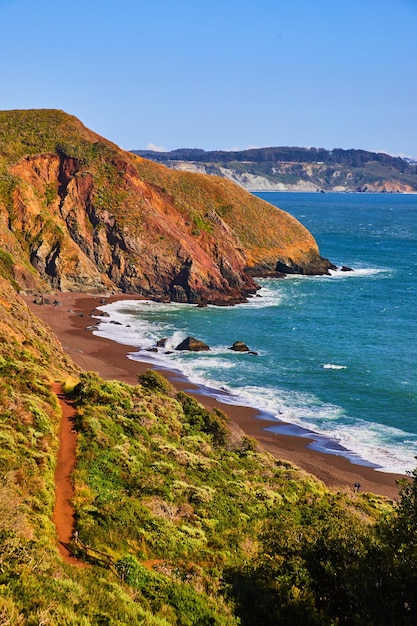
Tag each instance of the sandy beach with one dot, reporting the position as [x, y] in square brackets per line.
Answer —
[70, 321]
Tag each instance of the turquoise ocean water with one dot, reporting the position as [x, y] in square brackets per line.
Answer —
[336, 355]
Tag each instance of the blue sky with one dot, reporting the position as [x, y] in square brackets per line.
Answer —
[219, 74]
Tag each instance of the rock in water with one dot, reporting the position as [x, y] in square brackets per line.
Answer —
[239, 346]
[195, 345]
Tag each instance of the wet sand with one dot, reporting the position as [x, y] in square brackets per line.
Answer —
[69, 322]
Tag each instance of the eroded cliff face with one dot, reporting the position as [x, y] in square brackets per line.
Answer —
[113, 221]
[79, 246]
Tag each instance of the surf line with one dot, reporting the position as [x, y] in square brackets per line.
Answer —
[64, 512]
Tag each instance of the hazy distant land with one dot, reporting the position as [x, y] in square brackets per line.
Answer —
[297, 169]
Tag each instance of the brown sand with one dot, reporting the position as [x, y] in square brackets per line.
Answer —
[70, 320]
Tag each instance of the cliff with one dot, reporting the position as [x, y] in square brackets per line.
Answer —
[80, 214]
[298, 169]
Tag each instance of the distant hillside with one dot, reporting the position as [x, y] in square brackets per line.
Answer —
[80, 214]
[297, 169]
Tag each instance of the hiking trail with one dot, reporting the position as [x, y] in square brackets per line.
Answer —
[63, 516]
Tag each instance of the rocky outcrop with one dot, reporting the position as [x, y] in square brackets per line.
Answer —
[88, 216]
[239, 346]
[192, 344]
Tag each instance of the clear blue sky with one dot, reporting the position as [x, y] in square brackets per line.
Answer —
[220, 74]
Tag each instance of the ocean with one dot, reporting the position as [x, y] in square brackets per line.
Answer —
[336, 355]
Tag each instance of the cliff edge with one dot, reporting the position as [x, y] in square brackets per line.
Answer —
[80, 214]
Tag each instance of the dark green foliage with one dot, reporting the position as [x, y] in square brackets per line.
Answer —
[312, 569]
[154, 381]
[353, 158]
[213, 423]
[396, 562]
[352, 169]
[187, 607]
[321, 566]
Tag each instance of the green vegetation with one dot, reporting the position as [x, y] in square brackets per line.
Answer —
[42, 131]
[181, 518]
[6, 268]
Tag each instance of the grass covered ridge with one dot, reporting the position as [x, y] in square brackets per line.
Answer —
[185, 519]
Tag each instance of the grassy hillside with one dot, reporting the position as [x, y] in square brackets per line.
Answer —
[264, 232]
[181, 519]
[80, 214]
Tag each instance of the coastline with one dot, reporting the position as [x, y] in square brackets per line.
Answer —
[70, 321]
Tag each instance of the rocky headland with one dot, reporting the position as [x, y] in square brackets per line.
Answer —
[80, 214]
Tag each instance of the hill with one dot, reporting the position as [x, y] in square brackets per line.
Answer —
[79, 213]
[179, 518]
[297, 169]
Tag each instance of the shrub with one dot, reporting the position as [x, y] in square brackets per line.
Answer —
[154, 381]
[213, 423]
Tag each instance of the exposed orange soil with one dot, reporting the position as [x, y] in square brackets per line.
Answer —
[64, 511]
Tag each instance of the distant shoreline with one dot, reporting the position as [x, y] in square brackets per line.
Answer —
[70, 321]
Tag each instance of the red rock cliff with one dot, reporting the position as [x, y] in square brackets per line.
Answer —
[91, 217]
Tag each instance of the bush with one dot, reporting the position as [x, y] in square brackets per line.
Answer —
[189, 607]
[154, 381]
[212, 423]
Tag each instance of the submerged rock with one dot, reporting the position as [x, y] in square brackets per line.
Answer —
[195, 345]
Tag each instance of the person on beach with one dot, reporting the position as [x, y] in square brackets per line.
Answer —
[357, 486]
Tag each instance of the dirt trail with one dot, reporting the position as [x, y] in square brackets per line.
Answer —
[64, 511]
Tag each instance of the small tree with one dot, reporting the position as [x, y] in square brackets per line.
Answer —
[154, 381]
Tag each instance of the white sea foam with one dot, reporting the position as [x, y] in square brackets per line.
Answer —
[358, 440]
[265, 297]
[391, 449]
[358, 272]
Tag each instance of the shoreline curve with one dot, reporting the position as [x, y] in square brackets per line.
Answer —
[70, 321]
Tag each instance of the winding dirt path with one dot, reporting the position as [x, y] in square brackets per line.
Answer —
[64, 511]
